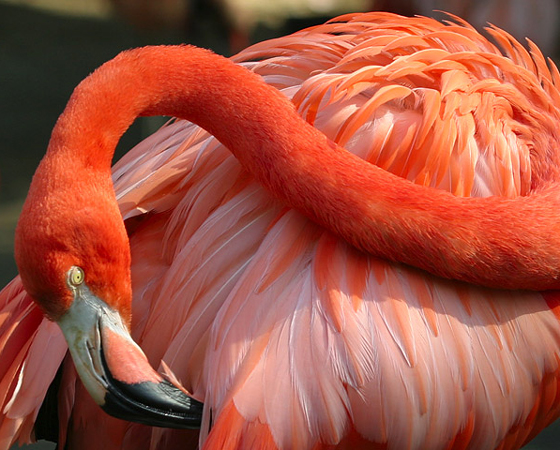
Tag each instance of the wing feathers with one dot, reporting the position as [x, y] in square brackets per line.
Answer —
[291, 338]
[25, 374]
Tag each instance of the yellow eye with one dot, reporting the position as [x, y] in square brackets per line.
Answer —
[75, 276]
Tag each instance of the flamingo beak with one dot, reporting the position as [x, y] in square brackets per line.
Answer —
[115, 370]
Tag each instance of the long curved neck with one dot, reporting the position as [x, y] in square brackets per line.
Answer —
[493, 242]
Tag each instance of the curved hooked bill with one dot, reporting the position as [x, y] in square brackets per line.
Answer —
[115, 370]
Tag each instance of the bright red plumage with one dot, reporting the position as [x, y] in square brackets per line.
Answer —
[290, 336]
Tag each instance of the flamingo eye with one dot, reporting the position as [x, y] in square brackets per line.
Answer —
[75, 276]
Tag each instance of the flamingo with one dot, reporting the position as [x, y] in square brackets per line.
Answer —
[347, 239]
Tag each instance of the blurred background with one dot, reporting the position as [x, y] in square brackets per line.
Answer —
[48, 46]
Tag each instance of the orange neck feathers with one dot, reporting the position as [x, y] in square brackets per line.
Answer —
[506, 243]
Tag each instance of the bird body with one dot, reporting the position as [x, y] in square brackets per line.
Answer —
[291, 336]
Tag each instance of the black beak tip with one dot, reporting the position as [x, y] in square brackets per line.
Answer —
[155, 404]
[158, 404]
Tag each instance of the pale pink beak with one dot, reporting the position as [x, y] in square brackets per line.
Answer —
[115, 370]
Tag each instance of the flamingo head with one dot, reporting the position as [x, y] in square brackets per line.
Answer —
[73, 255]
